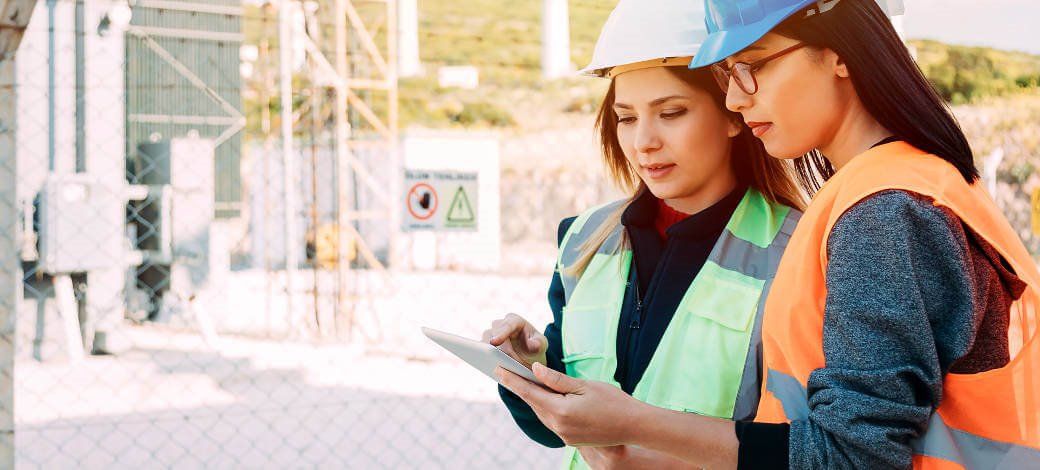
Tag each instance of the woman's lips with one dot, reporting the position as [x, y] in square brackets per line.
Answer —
[658, 171]
[759, 128]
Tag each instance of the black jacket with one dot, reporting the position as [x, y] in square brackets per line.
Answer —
[663, 271]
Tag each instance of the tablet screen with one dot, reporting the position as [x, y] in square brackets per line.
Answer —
[483, 356]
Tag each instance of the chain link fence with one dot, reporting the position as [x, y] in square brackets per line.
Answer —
[151, 220]
[174, 278]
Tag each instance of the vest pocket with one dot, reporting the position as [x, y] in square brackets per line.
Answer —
[725, 297]
[572, 358]
[585, 339]
[699, 365]
[585, 366]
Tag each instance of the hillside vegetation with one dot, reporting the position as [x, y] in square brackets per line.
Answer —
[503, 41]
[967, 74]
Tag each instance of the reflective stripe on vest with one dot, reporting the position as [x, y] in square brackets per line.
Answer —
[708, 359]
[940, 441]
[985, 420]
[582, 229]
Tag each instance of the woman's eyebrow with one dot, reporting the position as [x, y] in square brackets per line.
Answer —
[652, 103]
[666, 98]
[751, 48]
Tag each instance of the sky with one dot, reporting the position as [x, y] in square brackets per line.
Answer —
[1002, 24]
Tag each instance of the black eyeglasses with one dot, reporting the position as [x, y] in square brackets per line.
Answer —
[744, 73]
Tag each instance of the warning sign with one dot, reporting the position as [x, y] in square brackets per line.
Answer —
[424, 208]
[460, 213]
[422, 201]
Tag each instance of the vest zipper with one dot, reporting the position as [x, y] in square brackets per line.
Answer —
[639, 308]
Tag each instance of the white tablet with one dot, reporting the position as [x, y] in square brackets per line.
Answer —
[479, 354]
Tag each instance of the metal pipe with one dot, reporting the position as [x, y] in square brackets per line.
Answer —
[315, 125]
[81, 111]
[265, 125]
[396, 183]
[174, 119]
[52, 151]
[342, 155]
[192, 7]
[285, 42]
[179, 33]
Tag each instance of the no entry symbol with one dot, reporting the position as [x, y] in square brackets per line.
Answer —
[422, 201]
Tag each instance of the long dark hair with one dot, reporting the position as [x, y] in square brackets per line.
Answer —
[890, 85]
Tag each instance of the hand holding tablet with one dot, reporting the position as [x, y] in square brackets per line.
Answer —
[481, 355]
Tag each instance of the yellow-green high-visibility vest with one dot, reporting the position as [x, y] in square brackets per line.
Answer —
[709, 357]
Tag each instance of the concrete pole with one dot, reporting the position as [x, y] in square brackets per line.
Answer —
[285, 45]
[556, 42]
[989, 170]
[897, 22]
[100, 111]
[12, 26]
[408, 62]
[10, 267]
[895, 11]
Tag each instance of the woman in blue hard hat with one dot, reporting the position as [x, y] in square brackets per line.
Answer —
[660, 294]
[901, 329]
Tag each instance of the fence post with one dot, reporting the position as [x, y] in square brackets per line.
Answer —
[14, 17]
[10, 270]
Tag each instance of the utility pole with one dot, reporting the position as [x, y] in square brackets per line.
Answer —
[556, 39]
[409, 63]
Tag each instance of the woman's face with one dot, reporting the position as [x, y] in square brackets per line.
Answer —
[801, 97]
[675, 137]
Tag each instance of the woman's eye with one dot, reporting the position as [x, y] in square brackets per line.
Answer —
[673, 114]
[626, 119]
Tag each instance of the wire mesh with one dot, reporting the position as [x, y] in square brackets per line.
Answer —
[173, 334]
[156, 321]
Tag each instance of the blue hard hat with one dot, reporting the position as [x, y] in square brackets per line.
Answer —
[736, 24]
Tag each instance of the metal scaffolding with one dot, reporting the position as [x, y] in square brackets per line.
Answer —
[351, 87]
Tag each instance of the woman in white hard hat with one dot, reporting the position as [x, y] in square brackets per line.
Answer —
[902, 326]
[660, 294]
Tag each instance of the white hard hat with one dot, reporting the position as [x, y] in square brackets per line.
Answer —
[646, 33]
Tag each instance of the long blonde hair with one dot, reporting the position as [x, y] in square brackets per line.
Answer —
[752, 166]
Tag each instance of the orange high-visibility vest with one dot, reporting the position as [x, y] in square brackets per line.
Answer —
[985, 420]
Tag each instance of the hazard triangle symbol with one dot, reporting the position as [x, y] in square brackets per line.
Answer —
[460, 210]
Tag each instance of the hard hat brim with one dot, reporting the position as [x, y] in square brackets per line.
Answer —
[722, 44]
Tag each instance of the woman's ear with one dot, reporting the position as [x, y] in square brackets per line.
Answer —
[840, 69]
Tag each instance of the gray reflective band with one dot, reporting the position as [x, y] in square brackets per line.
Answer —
[745, 408]
[571, 250]
[970, 450]
[787, 228]
[742, 256]
[750, 391]
[792, 395]
[939, 441]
